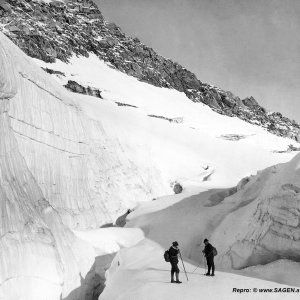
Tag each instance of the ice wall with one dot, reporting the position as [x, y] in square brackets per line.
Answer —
[264, 226]
[58, 170]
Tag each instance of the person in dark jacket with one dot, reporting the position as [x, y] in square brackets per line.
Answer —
[208, 252]
[173, 254]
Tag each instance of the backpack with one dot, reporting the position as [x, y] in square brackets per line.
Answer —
[167, 256]
[214, 251]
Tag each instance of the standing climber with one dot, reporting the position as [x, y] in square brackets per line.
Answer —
[209, 254]
[173, 254]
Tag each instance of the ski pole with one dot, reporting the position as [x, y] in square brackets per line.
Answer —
[200, 264]
[183, 266]
[196, 268]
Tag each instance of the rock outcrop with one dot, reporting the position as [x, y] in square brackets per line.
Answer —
[58, 30]
[77, 88]
[177, 188]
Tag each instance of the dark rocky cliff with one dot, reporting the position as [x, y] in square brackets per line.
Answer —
[58, 30]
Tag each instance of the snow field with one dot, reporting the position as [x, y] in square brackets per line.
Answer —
[140, 273]
[179, 150]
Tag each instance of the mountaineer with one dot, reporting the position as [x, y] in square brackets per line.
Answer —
[173, 254]
[210, 252]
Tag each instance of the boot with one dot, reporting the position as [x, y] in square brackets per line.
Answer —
[172, 277]
[177, 278]
[208, 269]
[213, 269]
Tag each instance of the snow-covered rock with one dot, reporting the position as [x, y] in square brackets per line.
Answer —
[57, 30]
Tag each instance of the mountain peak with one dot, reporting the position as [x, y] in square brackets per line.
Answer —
[48, 30]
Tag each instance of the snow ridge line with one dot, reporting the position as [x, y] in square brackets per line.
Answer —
[80, 154]
[25, 76]
[46, 131]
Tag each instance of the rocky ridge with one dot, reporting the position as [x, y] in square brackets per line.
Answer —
[58, 30]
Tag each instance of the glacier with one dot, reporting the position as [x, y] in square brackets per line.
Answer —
[254, 227]
[72, 163]
[56, 166]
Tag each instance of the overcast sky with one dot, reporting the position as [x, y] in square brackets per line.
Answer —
[250, 47]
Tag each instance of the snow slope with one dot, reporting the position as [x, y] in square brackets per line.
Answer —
[181, 151]
[254, 227]
[140, 273]
[110, 240]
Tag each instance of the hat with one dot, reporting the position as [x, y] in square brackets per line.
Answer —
[205, 240]
[175, 243]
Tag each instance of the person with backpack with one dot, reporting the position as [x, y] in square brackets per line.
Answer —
[209, 252]
[173, 256]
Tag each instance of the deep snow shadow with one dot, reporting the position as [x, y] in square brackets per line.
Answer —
[189, 221]
[93, 284]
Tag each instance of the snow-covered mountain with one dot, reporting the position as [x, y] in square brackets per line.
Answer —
[51, 30]
[73, 162]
